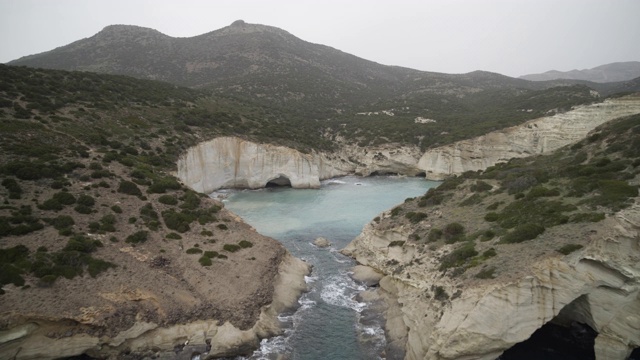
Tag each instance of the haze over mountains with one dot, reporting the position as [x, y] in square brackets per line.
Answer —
[618, 71]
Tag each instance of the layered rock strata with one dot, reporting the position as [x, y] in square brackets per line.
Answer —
[437, 317]
[231, 162]
[537, 136]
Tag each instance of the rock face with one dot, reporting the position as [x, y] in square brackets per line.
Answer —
[598, 286]
[230, 162]
[33, 339]
[537, 136]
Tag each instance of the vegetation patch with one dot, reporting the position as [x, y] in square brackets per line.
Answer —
[569, 248]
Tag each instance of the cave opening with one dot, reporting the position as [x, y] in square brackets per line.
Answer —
[421, 174]
[280, 181]
[568, 336]
[383, 173]
[635, 354]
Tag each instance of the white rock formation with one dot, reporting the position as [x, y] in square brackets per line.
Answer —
[538, 136]
[598, 285]
[230, 162]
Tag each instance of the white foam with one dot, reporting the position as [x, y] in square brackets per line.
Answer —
[339, 291]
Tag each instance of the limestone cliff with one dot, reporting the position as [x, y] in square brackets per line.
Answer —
[231, 162]
[598, 286]
[539, 136]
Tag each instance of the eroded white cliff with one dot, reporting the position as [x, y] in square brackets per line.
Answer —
[537, 136]
[231, 162]
[598, 286]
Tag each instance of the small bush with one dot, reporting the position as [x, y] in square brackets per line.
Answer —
[522, 233]
[211, 254]
[458, 256]
[129, 188]
[415, 217]
[168, 200]
[205, 261]
[116, 209]
[231, 247]
[245, 244]
[173, 236]
[398, 243]
[586, 217]
[64, 198]
[194, 250]
[440, 294]
[481, 186]
[138, 237]
[222, 227]
[453, 232]
[63, 222]
[86, 200]
[569, 248]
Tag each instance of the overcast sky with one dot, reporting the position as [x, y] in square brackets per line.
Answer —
[511, 37]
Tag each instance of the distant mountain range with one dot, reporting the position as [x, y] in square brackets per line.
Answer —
[614, 72]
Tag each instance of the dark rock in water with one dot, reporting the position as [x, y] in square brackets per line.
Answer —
[555, 342]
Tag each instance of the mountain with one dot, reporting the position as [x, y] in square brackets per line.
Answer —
[614, 72]
[260, 62]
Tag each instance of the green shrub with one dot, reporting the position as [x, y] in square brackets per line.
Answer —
[83, 209]
[222, 227]
[138, 237]
[489, 253]
[458, 256]
[481, 186]
[415, 217]
[62, 222]
[569, 248]
[129, 188]
[211, 254]
[541, 191]
[205, 261]
[398, 243]
[440, 294]
[231, 247]
[86, 200]
[191, 200]
[245, 244]
[453, 232]
[522, 233]
[194, 250]
[173, 236]
[116, 209]
[168, 200]
[162, 185]
[64, 198]
[177, 221]
[51, 204]
[487, 235]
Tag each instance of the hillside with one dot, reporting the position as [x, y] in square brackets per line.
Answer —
[614, 72]
[102, 250]
[499, 253]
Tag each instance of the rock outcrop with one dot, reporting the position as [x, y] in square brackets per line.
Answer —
[36, 339]
[231, 162]
[537, 136]
[438, 318]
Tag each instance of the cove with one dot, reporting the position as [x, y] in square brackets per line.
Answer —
[328, 324]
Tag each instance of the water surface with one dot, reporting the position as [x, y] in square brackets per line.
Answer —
[326, 326]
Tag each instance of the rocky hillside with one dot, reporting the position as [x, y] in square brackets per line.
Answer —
[324, 91]
[488, 257]
[102, 250]
[614, 72]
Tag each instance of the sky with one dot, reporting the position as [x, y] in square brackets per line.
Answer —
[511, 37]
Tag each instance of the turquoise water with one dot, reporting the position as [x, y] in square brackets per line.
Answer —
[327, 324]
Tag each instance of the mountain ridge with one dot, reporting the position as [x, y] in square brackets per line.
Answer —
[612, 72]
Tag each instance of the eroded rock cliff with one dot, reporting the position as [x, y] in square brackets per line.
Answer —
[539, 136]
[231, 162]
[437, 317]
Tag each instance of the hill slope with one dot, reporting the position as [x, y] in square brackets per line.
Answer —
[614, 72]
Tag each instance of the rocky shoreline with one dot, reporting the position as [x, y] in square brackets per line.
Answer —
[597, 286]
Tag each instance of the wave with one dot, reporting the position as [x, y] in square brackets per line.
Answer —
[340, 291]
